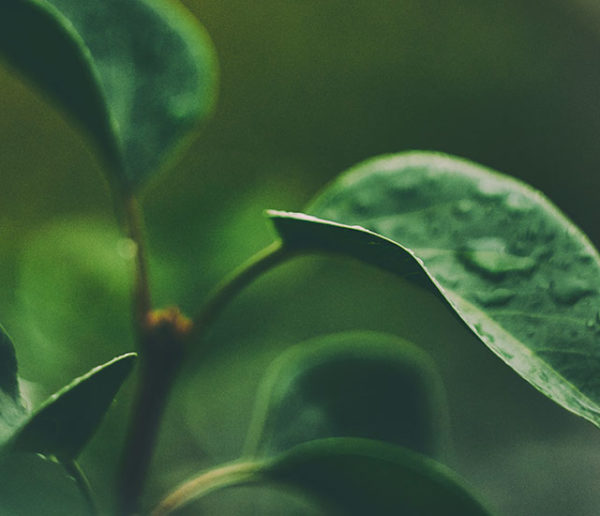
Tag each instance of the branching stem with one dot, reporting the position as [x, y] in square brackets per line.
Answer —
[163, 336]
[235, 282]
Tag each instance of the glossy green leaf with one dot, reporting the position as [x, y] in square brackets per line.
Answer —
[11, 410]
[138, 74]
[66, 421]
[510, 264]
[358, 384]
[346, 476]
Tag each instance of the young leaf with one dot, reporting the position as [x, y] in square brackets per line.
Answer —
[11, 409]
[138, 75]
[347, 476]
[359, 384]
[511, 265]
[66, 421]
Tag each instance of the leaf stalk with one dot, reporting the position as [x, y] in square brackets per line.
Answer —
[237, 473]
[271, 256]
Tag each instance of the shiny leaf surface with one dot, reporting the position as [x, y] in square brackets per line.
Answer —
[523, 278]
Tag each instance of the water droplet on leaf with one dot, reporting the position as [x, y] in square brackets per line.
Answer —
[517, 203]
[491, 187]
[463, 207]
[489, 257]
[568, 291]
[594, 322]
[496, 297]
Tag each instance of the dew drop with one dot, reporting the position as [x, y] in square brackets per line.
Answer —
[463, 207]
[517, 203]
[496, 297]
[489, 257]
[593, 322]
[490, 187]
[568, 291]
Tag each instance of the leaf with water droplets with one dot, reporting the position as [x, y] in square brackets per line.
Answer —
[522, 277]
[138, 74]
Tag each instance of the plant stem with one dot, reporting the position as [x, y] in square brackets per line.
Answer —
[154, 381]
[225, 476]
[235, 282]
[74, 470]
[163, 337]
[141, 290]
[159, 364]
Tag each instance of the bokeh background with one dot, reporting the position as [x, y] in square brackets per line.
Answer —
[309, 88]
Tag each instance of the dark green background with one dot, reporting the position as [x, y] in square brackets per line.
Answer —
[308, 88]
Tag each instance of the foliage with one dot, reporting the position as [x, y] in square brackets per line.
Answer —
[351, 422]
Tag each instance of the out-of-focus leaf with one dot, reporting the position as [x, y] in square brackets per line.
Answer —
[66, 421]
[39, 41]
[8, 366]
[31, 484]
[11, 409]
[347, 476]
[359, 384]
[138, 74]
[511, 265]
[80, 271]
[360, 476]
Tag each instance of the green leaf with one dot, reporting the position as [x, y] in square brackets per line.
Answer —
[138, 75]
[358, 384]
[508, 262]
[63, 425]
[8, 366]
[360, 476]
[347, 476]
[12, 411]
[31, 484]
